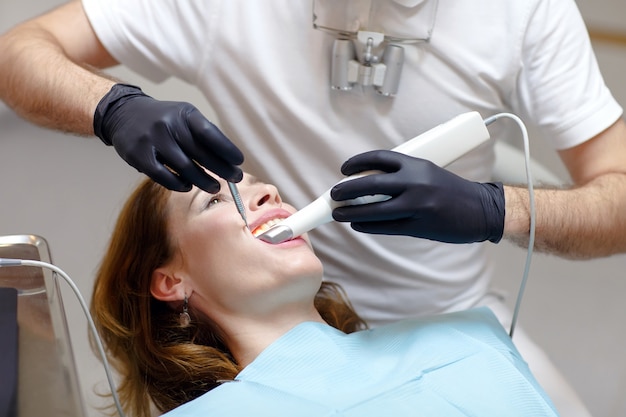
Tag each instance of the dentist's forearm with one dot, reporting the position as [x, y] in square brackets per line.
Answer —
[577, 223]
[44, 86]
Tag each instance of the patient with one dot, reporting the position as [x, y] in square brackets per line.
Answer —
[202, 319]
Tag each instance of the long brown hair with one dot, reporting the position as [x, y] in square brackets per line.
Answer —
[156, 358]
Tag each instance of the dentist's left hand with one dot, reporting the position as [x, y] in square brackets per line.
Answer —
[427, 201]
[158, 137]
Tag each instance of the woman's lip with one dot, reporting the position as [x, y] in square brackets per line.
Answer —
[273, 214]
[276, 214]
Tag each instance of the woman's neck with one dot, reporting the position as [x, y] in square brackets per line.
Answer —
[247, 337]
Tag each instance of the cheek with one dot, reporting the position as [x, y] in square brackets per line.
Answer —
[207, 249]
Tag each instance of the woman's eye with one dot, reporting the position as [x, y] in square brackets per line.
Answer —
[213, 200]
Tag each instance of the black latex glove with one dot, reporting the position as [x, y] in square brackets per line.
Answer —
[158, 137]
[427, 201]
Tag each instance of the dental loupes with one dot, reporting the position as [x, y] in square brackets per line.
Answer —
[238, 203]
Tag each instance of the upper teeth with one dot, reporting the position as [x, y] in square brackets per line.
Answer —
[265, 227]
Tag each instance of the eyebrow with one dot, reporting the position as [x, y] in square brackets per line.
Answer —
[249, 179]
[193, 198]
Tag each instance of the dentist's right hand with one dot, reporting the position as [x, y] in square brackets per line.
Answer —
[168, 141]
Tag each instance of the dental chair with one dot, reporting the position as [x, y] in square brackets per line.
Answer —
[37, 369]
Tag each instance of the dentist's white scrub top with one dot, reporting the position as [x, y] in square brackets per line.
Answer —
[266, 73]
[459, 364]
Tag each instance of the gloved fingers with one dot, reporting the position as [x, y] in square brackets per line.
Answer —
[383, 211]
[212, 149]
[392, 227]
[185, 170]
[199, 177]
[381, 160]
[419, 229]
[160, 174]
[384, 183]
[148, 164]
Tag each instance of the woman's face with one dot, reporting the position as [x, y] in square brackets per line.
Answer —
[228, 269]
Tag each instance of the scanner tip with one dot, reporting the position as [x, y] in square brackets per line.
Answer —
[276, 234]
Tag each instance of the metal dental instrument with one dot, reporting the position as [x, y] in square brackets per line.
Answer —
[238, 203]
[441, 145]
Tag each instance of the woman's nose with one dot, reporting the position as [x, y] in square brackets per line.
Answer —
[265, 194]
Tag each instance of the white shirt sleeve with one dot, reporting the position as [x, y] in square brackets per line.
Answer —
[560, 84]
[156, 38]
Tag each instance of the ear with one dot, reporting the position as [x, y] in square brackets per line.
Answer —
[167, 286]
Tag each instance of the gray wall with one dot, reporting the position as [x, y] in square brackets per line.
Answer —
[69, 190]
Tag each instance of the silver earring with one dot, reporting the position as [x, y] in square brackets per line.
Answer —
[184, 319]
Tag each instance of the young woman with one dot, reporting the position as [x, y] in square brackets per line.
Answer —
[201, 318]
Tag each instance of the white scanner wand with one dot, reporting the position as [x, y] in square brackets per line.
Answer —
[441, 145]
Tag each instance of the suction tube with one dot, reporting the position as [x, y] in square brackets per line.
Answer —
[441, 145]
